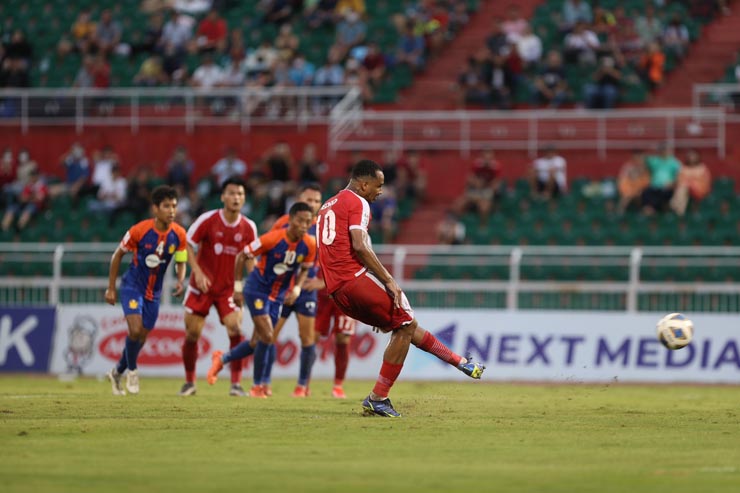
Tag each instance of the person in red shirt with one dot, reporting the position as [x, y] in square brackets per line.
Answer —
[364, 289]
[219, 235]
[212, 32]
[32, 199]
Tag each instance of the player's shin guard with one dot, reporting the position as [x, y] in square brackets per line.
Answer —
[132, 352]
[388, 374]
[259, 362]
[432, 345]
[308, 357]
[236, 365]
[189, 357]
[341, 360]
[270, 356]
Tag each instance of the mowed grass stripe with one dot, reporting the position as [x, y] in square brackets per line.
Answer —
[74, 436]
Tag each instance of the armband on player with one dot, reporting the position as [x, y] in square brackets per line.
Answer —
[181, 256]
[297, 291]
[238, 286]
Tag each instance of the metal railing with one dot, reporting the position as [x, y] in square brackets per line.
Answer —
[528, 130]
[183, 107]
[724, 96]
[467, 276]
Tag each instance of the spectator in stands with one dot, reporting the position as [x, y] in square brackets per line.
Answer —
[514, 24]
[632, 181]
[664, 169]
[391, 164]
[694, 183]
[77, 174]
[551, 84]
[19, 50]
[649, 26]
[177, 31]
[628, 42]
[14, 73]
[287, 42]
[328, 75]
[112, 192]
[7, 178]
[279, 163]
[208, 75]
[320, 13]
[236, 46]
[676, 37]
[180, 168]
[497, 42]
[351, 32]
[548, 176]
[580, 45]
[191, 7]
[101, 72]
[384, 211]
[262, 59]
[501, 82]
[107, 33]
[138, 195]
[172, 64]
[84, 77]
[151, 73]
[355, 5]
[83, 32]
[149, 40]
[412, 177]
[104, 161]
[411, 48]
[374, 65]
[32, 200]
[301, 71]
[459, 18]
[211, 34]
[472, 86]
[355, 77]
[276, 11]
[603, 92]
[311, 169]
[529, 48]
[228, 166]
[450, 230]
[482, 186]
[575, 11]
[26, 166]
[652, 66]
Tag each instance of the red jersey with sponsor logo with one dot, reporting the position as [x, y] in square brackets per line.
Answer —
[218, 242]
[338, 216]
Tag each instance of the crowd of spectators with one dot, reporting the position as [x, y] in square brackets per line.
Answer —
[583, 54]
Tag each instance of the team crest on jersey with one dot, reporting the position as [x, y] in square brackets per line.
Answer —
[133, 304]
[259, 304]
[300, 259]
[172, 249]
[238, 237]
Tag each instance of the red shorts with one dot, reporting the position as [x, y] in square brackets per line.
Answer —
[330, 319]
[366, 299]
[200, 304]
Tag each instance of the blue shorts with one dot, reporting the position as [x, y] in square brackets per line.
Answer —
[261, 304]
[305, 305]
[133, 303]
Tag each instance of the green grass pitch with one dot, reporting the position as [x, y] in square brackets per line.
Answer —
[471, 436]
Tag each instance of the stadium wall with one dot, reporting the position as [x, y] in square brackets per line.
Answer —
[523, 346]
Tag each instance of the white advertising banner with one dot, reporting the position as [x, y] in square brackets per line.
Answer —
[534, 346]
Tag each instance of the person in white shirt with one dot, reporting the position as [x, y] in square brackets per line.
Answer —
[548, 176]
[208, 75]
[580, 45]
[104, 162]
[529, 47]
[228, 166]
[112, 193]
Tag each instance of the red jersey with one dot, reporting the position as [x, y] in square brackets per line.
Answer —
[338, 216]
[219, 243]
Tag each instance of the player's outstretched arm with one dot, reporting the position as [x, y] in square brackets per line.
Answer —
[115, 265]
[361, 246]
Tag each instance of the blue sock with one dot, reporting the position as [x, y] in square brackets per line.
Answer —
[259, 362]
[122, 365]
[308, 356]
[270, 356]
[241, 350]
[132, 352]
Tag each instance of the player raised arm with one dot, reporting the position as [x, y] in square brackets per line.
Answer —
[115, 265]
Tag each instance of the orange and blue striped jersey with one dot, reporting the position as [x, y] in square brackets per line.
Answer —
[278, 262]
[282, 223]
[152, 252]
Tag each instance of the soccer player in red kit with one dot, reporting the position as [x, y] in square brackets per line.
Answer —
[364, 289]
[219, 235]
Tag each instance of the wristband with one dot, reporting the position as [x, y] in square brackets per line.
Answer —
[238, 286]
[297, 291]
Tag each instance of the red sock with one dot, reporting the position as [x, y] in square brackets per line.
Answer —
[189, 357]
[432, 345]
[341, 360]
[236, 365]
[388, 375]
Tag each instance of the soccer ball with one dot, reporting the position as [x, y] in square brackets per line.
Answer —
[675, 331]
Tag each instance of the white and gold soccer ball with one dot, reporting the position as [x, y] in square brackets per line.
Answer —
[675, 331]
